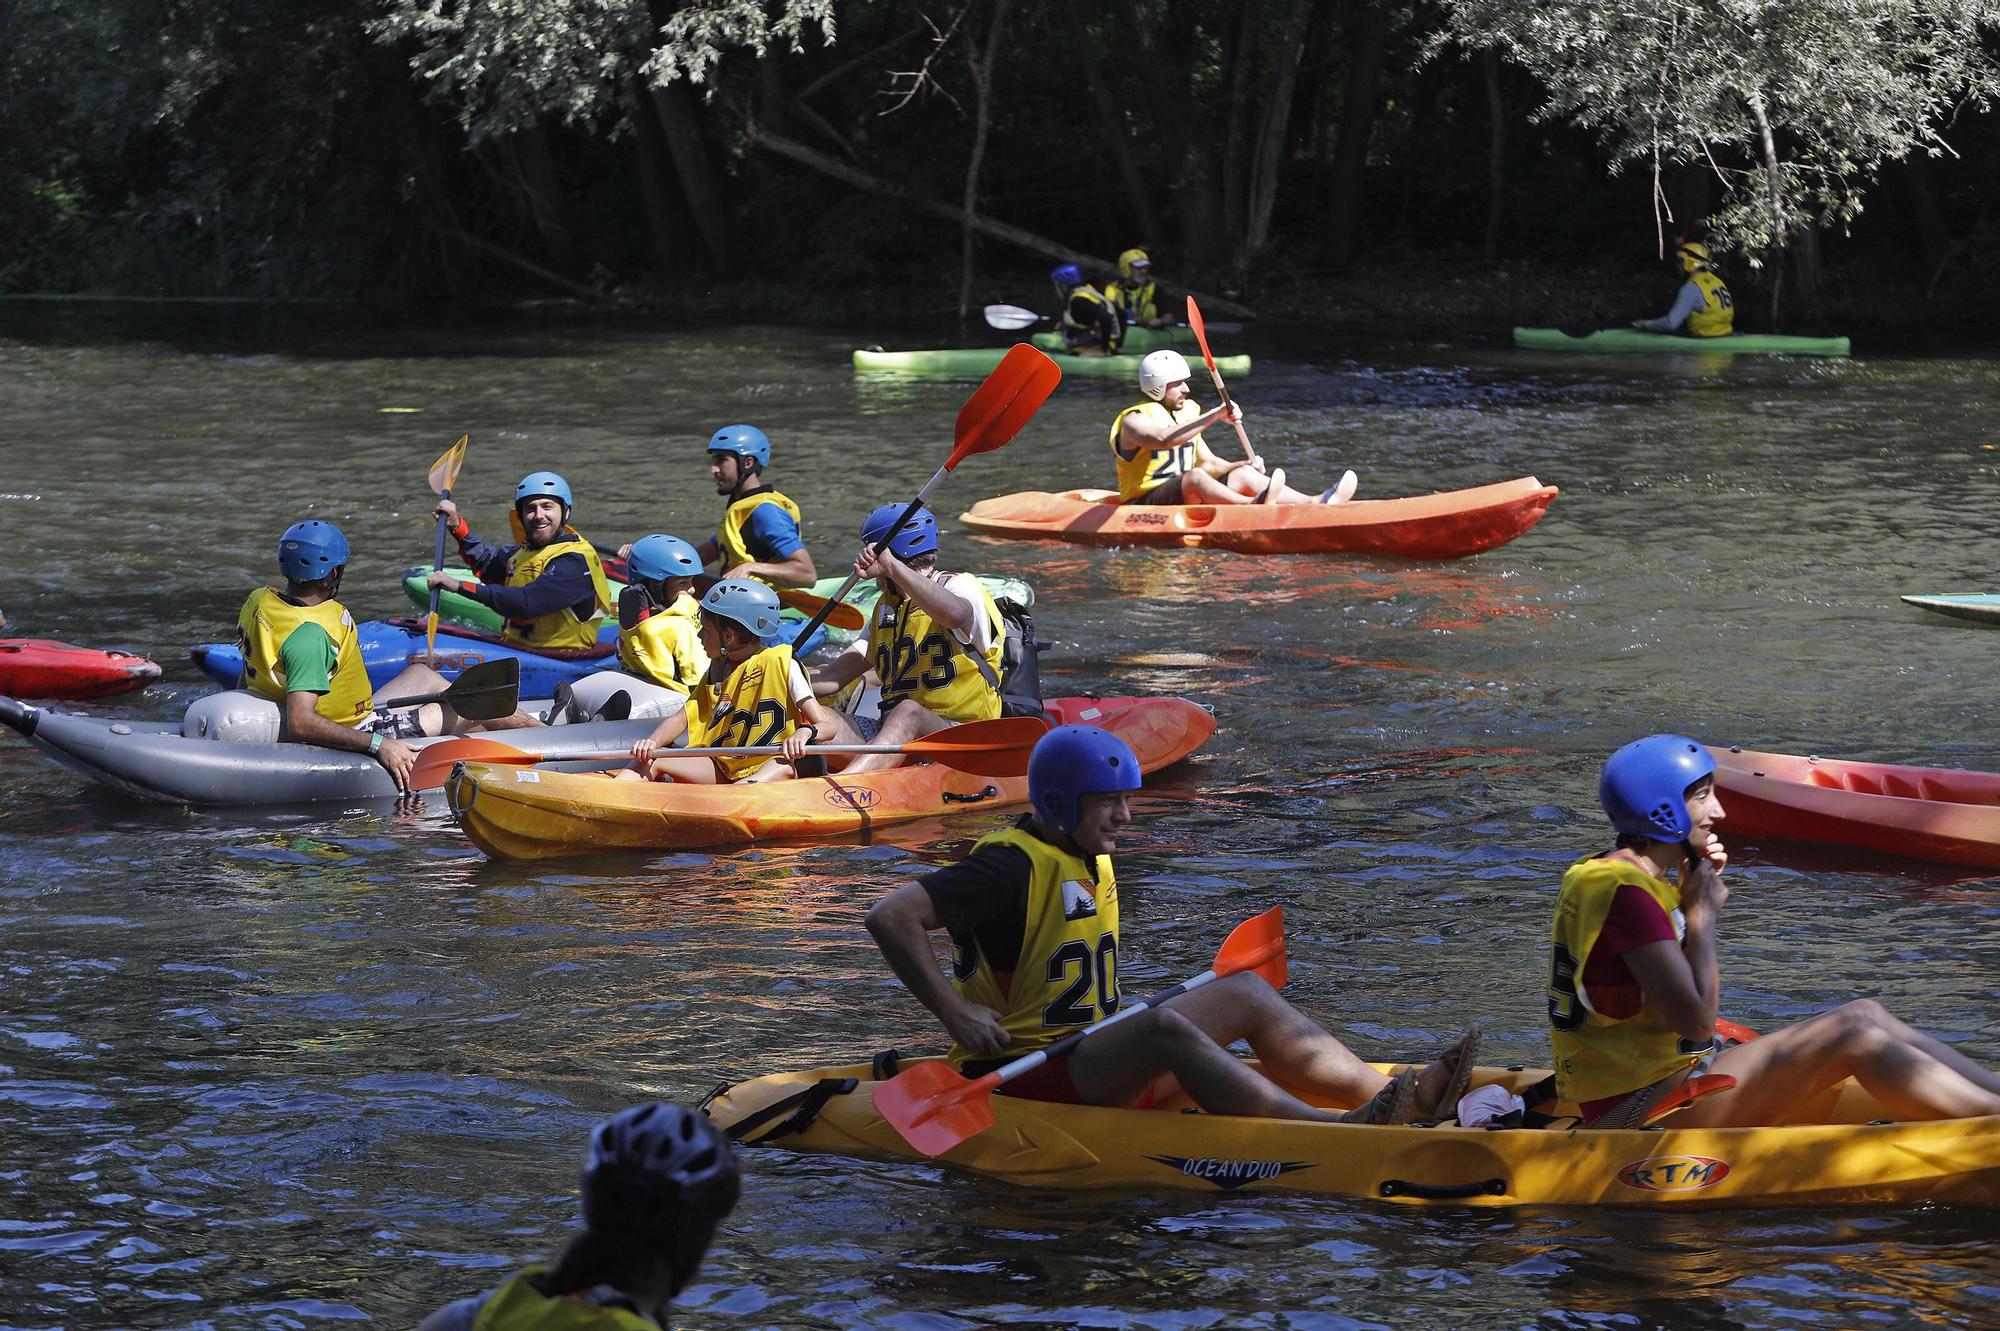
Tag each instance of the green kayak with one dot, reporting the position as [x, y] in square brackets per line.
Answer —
[1136, 342]
[1632, 340]
[456, 609]
[969, 361]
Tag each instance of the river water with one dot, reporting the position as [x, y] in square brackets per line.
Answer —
[292, 1071]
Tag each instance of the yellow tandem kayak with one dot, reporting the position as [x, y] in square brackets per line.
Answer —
[1844, 1156]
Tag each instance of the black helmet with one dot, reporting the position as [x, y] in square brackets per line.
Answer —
[663, 1173]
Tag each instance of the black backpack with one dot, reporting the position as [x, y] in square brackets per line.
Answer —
[1020, 682]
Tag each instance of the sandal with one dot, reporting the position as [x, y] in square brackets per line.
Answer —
[1458, 1062]
[1395, 1103]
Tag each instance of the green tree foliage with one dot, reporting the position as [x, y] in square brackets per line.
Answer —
[1794, 105]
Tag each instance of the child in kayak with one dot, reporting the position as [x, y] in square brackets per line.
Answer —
[1634, 986]
[762, 697]
[1162, 458]
[1033, 919]
[659, 635]
[657, 1181]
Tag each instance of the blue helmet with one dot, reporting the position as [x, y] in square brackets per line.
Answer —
[1645, 784]
[746, 441]
[1066, 275]
[1072, 761]
[662, 1174]
[917, 535]
[659, 556]
[311, 550]
[538, 483]
[751, 604]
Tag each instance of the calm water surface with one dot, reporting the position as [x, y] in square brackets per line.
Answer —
[291, 1071]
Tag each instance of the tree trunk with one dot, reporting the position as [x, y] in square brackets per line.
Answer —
[1239, 62]
[1269, 159]
[1927, 211]
[666, 216]
[1775, 195]
[981, 62]
[535, 167]
[674, 107]
[1357, 126]
[1013, 235]
[1111, 130]
[1804, 256]
[1496, 156]
[1191, 174]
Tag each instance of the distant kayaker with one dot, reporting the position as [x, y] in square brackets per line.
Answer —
[759, 536]
[753, 695]
[1089, 321]
[659, 635]
[550, 589]
[1162, 458]
[1033, 917]
[1704, 307]
[657, 1181]
[934, 641]
[1135, 294]
[302, 651]
[1634, 988]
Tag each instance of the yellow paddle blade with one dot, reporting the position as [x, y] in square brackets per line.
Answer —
[444, 472]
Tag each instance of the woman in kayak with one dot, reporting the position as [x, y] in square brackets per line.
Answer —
[763, 697]
[657, 1181]
[1162, 458]
[1703, 308]
[1634, 988]
[1033, 918]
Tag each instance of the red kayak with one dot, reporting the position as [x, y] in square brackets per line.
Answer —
[1434, 526]
[1927, 813]
[43, 668]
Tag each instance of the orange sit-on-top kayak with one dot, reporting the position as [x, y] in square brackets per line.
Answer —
[1927, 813]
[532, 812]
[1434, 526]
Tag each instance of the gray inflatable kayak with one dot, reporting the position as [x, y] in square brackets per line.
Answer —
[153, 760]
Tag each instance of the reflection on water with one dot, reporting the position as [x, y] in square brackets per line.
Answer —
[298, 1069]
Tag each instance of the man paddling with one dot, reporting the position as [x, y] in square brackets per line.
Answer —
[1163, 459]
[759, 536]
[301, 650]
[1033, 918]
[550, 589]
[1703, 306]
[1135, 295]
[935, 642]
[1634, 987]
[657, 1180]
[1089, 321]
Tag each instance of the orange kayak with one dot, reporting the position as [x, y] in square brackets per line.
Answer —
[1434, 526]
[514, 812]
[1927, 813]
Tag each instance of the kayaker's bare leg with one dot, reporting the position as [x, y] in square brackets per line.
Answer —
[687, 771]
[1198, 487]
[1914, 1075]
[1189, 1037]
[907, 720]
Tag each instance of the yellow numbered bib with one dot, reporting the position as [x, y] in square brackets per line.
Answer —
[262, 626]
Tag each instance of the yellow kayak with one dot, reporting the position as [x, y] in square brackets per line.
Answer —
[1843, 1156]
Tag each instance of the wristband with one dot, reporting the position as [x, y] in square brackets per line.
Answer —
[375, 744]
[815, 733]
[460, 528]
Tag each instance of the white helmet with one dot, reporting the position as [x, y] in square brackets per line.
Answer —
[1160, 369]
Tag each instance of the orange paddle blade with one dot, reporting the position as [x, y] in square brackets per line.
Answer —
[435, 761]
[1730, 1030]
[998, 408]
[933, 1108]
[1200, 332]
[998, 747]
[1689, 1091]
[842, 616]
[1257, 944]
[444, 472]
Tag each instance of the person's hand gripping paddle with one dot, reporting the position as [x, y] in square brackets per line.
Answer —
[1214, 374]
[934, 1108]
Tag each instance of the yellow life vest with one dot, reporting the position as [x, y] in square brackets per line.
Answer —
[1136, 303]
[1716, 315]
[262, 626]
[1095, 297]
[753, 706]
[1067, 974]
[1154, 466]
[915, 657]
[519, 1306]
[729, 536]
[1598, 1056]
[665, 647]
[559, 629]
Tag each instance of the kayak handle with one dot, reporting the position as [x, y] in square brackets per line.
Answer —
[1444, 1192]
[971, 797]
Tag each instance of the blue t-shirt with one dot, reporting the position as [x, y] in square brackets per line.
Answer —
[771, 535]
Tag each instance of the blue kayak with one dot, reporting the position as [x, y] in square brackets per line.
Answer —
[389, 645]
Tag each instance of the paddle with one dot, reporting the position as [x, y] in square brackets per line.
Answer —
[444, 475]
[1008, 318]
[995, 413]
[934, 1108]
[1201, 337]
[485, 692]
[982, 748]
[841, 616]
